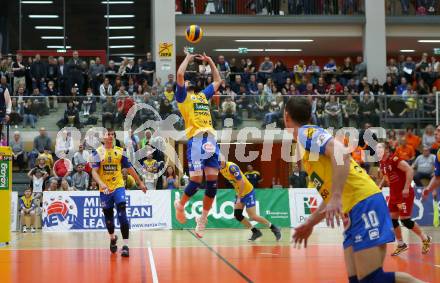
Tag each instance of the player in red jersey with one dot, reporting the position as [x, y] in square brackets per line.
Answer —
[399, 176]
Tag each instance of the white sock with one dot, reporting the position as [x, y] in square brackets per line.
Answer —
[400, 242]
[125, 242]
[205, 214]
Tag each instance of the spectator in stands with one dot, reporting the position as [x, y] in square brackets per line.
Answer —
[151, 167]
[111, 72]
[405, 151]
[80, 180]
[429, 106]
[266, 69]
[170, 179]
[16, 116]
[27, 207]
[64, 144]
[243, 101]
[81, 156]
[350, 109]
[37, 178]
[53, 184]
[65, 186]
[347, 71]
[314, 70]
[41, 142]
[29, 114]
[38, 73]
[428, 137]
[274, 115]
[389, 87]
[204, 69]
[88, 102]
[18, 152]
[105, 90]
[223, 67]
[360, 69]
[422, 68]
[252, 85]
[253, 176]
[41, 166]
[321, 87]
[298, 178]
[235, 85]
[333, 113]
[423, 166]
[409, 68]
[96, 72]
[299, 70]
[405, 7]
[47, 155]
[108, 112]
[330, 67]
[368, 108]
[149, 68]
[366, 136]
[52, 69]
[392, 139]
[121, 92]
[392, 69]
[422, 87]
[123, 104]
[62, 78]
[412, 139]
[229, 110]
[70, 118]
[75, 72]
[52, 93]
[41, 101]
[165, 108]
[19, 70]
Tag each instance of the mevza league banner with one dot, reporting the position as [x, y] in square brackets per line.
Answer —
[81, 211]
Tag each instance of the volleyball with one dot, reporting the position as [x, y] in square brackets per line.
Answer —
[194, 33]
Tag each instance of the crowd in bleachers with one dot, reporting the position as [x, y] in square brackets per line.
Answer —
[302, 7]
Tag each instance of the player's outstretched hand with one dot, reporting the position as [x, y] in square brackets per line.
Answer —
[143, 188]
[203, 57]
[105, 190]
[333, 211]
[301, 234]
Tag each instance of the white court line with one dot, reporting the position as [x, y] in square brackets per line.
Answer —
[152, 264]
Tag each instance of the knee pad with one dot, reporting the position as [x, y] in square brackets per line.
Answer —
[191, 188]
[395, 223]
[211, 189]
[379, 276]
[238, 213]
[408, 223]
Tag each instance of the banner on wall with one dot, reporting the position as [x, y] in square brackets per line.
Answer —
[81, 211]
[272, 204]
[303, 202]
[165, 49]
[14, 211]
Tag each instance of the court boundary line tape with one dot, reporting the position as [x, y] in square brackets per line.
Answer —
[143, 265]
[242, 275]
[152, 263]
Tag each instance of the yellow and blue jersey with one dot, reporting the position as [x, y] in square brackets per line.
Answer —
[233, 174]
[110, 163]
[437, 164]
[195, 110]
[312, 142]
[151, 164]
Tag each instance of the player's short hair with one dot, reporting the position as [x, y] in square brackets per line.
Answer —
[299, 109]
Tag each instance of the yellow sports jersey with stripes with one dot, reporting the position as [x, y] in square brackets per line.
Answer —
[195, 110]
[150, 164]
[110, 163]
[312, 142]
[233, 174]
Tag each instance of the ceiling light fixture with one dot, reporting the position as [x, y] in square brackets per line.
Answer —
[36, 2]
[429, 40]
[52, 37]
[49, 27]
[122, 37]
[120, 46]
[407, 50]
[117, 2]
[120, 27]
[43, 16]
[118, 16]
[58, 47]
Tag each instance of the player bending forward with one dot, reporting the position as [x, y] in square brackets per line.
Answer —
[245, 198]
[348, 192]
[399, 176]
[108, 162]
[202, 148]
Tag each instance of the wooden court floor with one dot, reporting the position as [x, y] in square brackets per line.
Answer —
[178, 256]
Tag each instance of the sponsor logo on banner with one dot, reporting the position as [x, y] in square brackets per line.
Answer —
[310, 205]
[303, 202]
[272, 205]
[81, 211]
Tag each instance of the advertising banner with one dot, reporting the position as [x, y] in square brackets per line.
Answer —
[273, 204]
[81, 211]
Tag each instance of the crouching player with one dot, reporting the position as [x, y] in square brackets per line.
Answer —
[400, 175]
[245, 198]
[347, 191]
[108, 162]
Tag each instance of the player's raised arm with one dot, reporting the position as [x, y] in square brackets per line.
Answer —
[217, 80]
[409, 174]
[341, 167]
[182, 69]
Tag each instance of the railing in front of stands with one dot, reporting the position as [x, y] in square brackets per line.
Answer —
[273, 7]
[245, 110]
